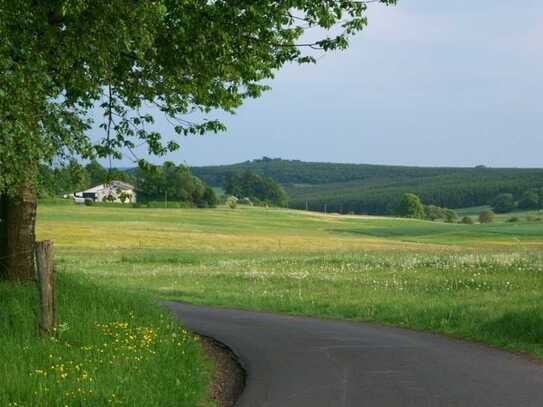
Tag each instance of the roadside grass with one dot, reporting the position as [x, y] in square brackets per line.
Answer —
[493, 298]
[110, 348]
[480, 282]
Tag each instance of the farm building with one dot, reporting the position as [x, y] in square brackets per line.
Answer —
[114, 191]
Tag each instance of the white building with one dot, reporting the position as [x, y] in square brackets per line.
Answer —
[114, 191]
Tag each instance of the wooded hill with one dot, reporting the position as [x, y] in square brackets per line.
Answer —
[377, 189]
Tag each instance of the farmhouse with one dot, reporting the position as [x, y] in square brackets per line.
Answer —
[114, 191]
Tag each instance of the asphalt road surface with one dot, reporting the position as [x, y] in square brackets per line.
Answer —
[296, 361]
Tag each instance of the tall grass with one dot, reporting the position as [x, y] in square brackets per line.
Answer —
[110, 348]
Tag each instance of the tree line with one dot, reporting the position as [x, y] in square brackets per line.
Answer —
[171, 182]
[378, 189]
[258, 189]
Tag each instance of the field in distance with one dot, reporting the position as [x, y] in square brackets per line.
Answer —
[482, 282]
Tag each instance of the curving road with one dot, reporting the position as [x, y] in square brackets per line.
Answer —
[295, 361]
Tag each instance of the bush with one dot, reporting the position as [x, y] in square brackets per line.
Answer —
[529, 200]
[450, 216]
[467, 220]
[513, 219]
[433, 212]
[487, 216]
[246, 201]
[411, 207]
[232, 202]
[503, 203]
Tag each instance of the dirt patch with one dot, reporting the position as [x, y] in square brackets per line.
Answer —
[229, 379]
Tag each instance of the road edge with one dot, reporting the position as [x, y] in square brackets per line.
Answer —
[229, 377]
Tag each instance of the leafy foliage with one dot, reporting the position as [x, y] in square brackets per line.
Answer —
[153, 183]
[62, 58]
[256, 188]
[174, 183]
[487, 216]
[411, 207]
[531, 199]
[503, 203]
[73, 177]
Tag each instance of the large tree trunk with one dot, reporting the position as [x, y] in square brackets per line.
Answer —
[17, 234]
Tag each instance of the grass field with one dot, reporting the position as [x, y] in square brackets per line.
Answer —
[481, 282]
[109, 349]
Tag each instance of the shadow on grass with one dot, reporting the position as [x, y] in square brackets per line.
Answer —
[519, 326]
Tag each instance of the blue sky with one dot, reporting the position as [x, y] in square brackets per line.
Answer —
[448, 83]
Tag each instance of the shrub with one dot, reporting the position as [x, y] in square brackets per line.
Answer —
[232, 202]
[487, 216]
[450, 216]
[411, 207]
[467, 220]
[529, 200]
[513, 219]
[433, 212]
[246, 201]
[503, 203]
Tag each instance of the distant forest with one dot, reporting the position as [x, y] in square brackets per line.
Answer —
[377, 189]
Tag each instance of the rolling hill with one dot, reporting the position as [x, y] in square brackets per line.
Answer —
[377, 189]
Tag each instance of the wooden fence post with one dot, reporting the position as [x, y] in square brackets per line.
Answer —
[46, 286]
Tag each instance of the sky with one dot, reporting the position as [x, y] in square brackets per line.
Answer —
[429, 83]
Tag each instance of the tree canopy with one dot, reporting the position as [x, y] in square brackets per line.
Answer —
[256, 188]
[174, 183]
[411, 207]
[62, 58]
[503, 203]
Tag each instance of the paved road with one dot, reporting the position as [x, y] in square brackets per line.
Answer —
[294, 361]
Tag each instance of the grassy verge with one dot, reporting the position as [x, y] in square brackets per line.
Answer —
[110, 348]
[492, 297]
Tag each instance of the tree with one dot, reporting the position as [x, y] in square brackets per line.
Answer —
[255, 188]
[97, 174]
[466, 220]
[450, 216]
[433, 212]
[411, 207]
[530, 200]
[210, 198]
[62, 58]
[487, 216]
[503, 203]
[176, 183]
[232, 202]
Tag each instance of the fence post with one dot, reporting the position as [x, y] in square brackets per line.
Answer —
[46, 286]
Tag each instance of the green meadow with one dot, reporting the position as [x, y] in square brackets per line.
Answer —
[479, 282]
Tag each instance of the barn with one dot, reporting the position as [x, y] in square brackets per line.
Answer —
[114, 191]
